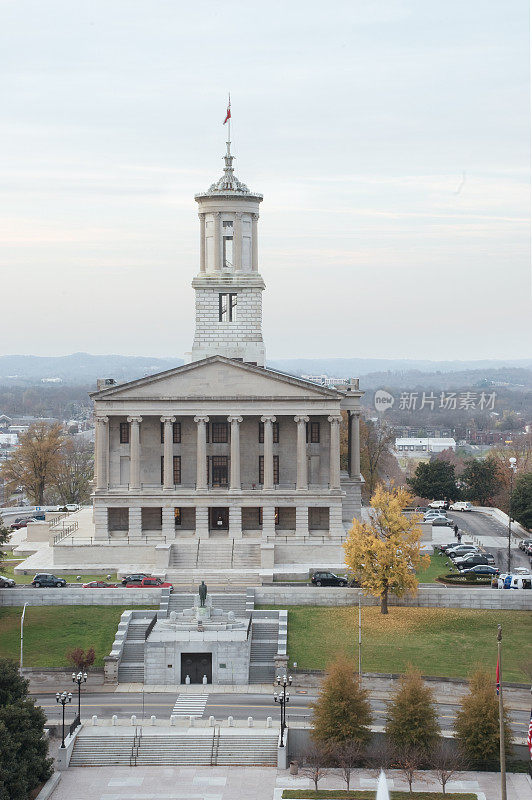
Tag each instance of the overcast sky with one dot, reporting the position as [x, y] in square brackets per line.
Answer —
[390, 139]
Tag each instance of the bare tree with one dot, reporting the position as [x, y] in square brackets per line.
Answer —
[34, 463]
[74, 470]
[446, 762]
[347, 756]
[408, 761]
[375, 441]
[314, 759]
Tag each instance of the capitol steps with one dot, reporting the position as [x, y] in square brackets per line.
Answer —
[227, 602]
[131, 667]
[264, 644]
[180, 749]
[214, 554]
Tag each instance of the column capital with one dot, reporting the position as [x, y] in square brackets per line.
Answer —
[356, 412]
[103, 420]
[235, 419]
[268, 418]
[169, 420]
[238, 214]
[334, 419]
[201, 214]
[254, 217]
[301, 418]
[134, 419]
[201, 418]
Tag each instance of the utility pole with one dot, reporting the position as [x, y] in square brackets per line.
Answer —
[501, 715]
[513, 467]
[359, 638]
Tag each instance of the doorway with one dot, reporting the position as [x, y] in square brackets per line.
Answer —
[196, 665]
[220, 519]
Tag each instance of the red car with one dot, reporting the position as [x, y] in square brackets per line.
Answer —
[99, 585]
[150, 583]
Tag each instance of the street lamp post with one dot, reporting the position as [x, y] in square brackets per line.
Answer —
[501, 715]
[22, 636]
[513, 468]
[63, 698]
[79, 678]
[283, 698]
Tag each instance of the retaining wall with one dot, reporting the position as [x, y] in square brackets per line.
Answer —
[77, 596]
[433, 597]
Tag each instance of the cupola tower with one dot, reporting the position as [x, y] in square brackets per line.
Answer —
[228, 286]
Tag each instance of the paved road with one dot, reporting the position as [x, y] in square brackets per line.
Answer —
[221, 706]
[492, 533]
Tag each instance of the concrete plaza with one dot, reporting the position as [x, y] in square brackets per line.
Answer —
[241, 783]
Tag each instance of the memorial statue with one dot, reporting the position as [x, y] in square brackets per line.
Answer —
[202, 591]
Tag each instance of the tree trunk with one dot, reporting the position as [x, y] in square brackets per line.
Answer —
[384, 601]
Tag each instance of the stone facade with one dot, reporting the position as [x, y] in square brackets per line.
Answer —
[224, 446]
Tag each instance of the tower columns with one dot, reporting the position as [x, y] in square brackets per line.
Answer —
[202, 242]
[201, 452]
[237, 242]
[254, 243]
[302, 466]
[217, 241]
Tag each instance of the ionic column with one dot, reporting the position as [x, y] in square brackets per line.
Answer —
[302, 467]
[202, 523]
[354, 429]
[254, 243]
[168, 519]
[268, 521]
[201, 452]
[102, 451]
[268, 451]
[237, 242]
[135, 522]
[334, 452]
[134, 452]
[234, 480]
[217, 241]
[168, 452]
[202, 242]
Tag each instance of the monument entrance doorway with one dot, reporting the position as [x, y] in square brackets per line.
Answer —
[196, 665]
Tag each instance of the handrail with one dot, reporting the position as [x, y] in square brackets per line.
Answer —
[150, 627]
[68, 531]
[56, 520]
[74, 725]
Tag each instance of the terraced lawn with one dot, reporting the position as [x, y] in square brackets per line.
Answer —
[439, 641]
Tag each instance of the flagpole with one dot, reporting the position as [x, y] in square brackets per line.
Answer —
[501, 715]
[229, 121]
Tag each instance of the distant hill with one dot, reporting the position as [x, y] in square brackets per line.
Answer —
[82, 369]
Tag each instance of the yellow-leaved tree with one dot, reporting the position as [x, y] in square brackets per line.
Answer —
[384, 553]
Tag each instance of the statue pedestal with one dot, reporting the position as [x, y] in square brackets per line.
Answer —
[202, 613]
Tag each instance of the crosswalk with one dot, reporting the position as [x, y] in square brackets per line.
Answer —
[190, 705]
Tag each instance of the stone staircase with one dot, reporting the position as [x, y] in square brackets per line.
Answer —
[219, 747]
[264, 642]
[214, 554]
[131, 667]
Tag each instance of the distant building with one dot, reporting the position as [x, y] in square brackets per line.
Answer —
[412, 446]
[51, 380]
[324, 380]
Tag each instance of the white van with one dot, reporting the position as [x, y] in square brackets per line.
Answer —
[515, 581]
[461, 506]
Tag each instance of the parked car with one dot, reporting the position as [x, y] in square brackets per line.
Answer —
[46, 580]
[22, 523]
[421, 509]
[524, 543]
[460, 549]
[99, 585]
[473, 559]
[138, 576]
[446, 547]
[481, 569]
[463, 505]
[326, 578]
[72, 507]
[442, 521]
[436, 515]
[150, 583]
[439, 504]
[6, 583]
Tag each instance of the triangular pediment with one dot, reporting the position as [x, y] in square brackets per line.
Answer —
[217, 377]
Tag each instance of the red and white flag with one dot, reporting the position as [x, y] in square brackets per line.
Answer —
[529, 737]
[497, 679]
[228, 115]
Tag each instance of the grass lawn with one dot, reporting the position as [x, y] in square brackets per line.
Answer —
[51, 631]
[439, 565]
[8, 569]
[439, 641]
[335, 794]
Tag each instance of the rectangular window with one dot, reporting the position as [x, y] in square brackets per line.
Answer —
[176, 432]
[124, 433]
[313, 432]
[177, 469]
[227, 307]
[275, 432]
[177, 516]
[227, 223]
[220, 433]
[228, 252]
[219, 471]
[275, 469]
